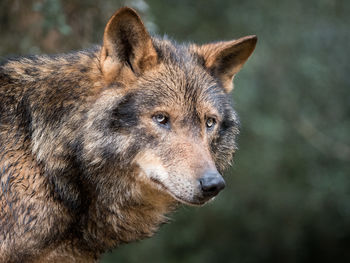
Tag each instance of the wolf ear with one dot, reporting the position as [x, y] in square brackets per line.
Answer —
[225, 59]
[127, 46]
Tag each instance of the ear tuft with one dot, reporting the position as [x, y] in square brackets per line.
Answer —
[127, 46]
[225, 59]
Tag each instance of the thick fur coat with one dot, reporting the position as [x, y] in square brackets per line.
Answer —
[98, 146]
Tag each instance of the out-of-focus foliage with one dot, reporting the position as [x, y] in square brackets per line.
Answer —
[51, 26]
[288, 194]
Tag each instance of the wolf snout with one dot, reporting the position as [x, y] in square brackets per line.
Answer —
[211, 183]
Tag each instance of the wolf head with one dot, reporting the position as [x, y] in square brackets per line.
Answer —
[166, 113]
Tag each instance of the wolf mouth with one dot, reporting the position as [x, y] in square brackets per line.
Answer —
[178, 198]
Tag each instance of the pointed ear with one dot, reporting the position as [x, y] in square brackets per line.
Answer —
[225, 59]
[127, 49]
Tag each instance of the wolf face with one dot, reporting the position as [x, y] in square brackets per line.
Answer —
[184, 123]
[166, 114]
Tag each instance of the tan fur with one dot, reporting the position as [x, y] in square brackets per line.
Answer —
[233, 53]
[144, 55]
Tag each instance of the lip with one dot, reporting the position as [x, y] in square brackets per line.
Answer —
[181, 200]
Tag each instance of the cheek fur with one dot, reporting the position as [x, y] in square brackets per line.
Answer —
[223, 146]
[125, 114]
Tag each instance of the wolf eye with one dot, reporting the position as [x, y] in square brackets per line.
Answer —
[210, 123]
[161, 119]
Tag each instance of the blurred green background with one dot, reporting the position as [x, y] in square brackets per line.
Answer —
[288, 194]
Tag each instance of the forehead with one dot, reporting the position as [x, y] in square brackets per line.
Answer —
[188, 86]
[183, 67]
[180, 80]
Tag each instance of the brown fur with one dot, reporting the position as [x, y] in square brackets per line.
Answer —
[84, 165]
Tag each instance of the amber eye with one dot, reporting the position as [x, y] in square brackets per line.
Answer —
[210, 123]
[161, 119]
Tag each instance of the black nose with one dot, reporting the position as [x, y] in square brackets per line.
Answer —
[211, 183]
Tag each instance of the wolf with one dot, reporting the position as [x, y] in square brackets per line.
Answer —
[98, 146]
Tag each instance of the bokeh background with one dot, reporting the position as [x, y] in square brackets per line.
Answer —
[288, 195]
